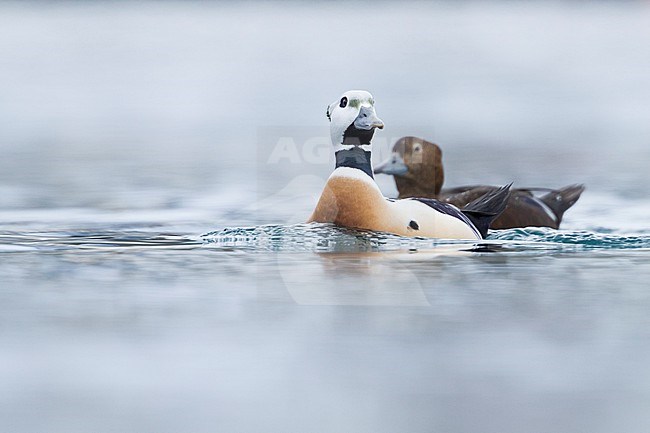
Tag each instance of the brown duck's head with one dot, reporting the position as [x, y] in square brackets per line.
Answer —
[416, 165]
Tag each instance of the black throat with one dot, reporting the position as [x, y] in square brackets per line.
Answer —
[355, 158]
[356, 136]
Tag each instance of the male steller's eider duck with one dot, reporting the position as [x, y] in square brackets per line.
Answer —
[416, 166]
[351, 197]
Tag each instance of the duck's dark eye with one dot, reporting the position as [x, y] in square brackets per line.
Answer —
[344, 102]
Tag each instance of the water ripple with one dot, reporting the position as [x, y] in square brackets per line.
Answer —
[85, 240]
[577, 238]
[310, 237]
[320, 238]
[329, 238]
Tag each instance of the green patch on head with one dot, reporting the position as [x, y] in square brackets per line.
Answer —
[354, 103]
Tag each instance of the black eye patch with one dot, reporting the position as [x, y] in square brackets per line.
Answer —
[344, 102]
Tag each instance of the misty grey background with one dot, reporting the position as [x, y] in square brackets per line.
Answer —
[119, 119]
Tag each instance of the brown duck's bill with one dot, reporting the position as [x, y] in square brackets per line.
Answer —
[394, 165]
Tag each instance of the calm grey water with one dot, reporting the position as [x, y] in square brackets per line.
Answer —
[157, 161]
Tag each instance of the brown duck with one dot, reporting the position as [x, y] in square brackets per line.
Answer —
[416, 166]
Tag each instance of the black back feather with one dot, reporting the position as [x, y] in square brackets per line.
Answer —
[487, 208]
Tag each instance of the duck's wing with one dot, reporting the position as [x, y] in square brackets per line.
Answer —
[462, 195]
[443, 207]
[524, 209]
[487, 208]
[480, 212]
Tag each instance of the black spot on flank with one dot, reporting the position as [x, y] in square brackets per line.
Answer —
[414, 225]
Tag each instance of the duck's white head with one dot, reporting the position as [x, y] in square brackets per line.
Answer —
[353, 120]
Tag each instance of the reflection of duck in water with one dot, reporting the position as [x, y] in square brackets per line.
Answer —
[416, 166]
[351, 197]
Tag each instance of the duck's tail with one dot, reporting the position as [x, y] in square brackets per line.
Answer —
[485, 209]
[562, 199]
